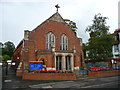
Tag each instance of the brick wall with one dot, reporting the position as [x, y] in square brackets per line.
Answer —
[49, 76]
[103, 73]
[17, 56]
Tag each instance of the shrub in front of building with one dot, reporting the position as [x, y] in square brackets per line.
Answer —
[103, 69]
[51, 71]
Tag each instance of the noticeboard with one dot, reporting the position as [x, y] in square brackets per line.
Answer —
[35, 66]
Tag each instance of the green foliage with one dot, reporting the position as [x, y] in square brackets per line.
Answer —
[98, 28]
[7, 48]
[6, 57]
[100, 43]
[1, 46]
[72, 25]
[0, 58]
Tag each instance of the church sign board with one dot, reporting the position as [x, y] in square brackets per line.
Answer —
[35, 66]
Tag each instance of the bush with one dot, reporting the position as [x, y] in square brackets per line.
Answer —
[103, 69]
[6, 57]
[52, 71]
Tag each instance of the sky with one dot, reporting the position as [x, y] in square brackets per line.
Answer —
[19, 15]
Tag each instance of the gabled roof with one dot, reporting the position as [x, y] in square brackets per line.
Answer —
[19, 44]
[56, 17]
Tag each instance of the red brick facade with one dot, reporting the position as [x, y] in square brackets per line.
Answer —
[33, 47]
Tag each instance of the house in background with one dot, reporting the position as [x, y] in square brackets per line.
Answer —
[115, 61]
[116, 49]
[52, 43]
[116, 46]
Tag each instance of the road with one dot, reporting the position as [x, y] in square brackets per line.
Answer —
[11, 81]
[115, 84]
[110, 85]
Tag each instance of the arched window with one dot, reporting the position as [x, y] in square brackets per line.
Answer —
[50, 40]
[63, 42]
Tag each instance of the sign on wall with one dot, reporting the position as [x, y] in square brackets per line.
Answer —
[35, 66]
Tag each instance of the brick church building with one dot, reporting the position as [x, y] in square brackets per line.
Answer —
[52, 43]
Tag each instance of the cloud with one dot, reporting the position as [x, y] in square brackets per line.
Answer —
[19, 15]
[27, 0]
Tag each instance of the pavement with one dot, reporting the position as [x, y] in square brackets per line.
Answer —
[11, 81]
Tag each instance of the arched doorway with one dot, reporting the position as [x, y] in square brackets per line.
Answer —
[42, 60]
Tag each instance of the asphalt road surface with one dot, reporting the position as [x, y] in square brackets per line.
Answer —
[11, 81]
[115, 84]
[111, 85]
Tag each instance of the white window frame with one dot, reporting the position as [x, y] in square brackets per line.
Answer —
[63, 42]
[50, 40]
[116, 48]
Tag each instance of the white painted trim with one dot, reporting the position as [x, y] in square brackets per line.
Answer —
[76, 68]
[34, 61]
[19, 66]
[63, 58]
[50, 68]
[54, 68]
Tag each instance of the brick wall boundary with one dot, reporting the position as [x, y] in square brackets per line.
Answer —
[103, 73]
[49, 76]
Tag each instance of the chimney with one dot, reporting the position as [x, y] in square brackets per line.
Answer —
[26, 34]
[80, 39]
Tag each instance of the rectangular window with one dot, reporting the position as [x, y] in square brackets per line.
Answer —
[59, 63]
[116, 48]
[117, 37]
[68, 63]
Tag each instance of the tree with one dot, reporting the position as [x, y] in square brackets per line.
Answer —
[72, 25]
[8, 48]
[99, 45]
[1, 47]
[0, 58]
[6, 57]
